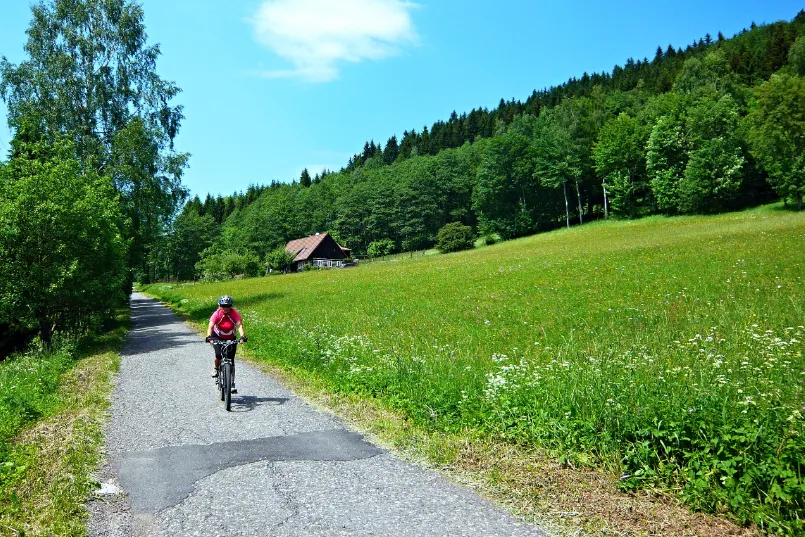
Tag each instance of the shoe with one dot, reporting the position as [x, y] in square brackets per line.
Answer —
[234, 390]
[215, 373]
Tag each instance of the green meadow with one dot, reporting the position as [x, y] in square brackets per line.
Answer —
[669, 350]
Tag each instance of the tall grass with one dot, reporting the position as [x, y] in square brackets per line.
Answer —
[52, 406]
[667, 348]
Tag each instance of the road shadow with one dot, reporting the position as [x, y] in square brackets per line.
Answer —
[144, 343]
[247, 403]
[154, 328]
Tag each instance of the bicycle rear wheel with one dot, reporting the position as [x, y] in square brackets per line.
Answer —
[228, 386]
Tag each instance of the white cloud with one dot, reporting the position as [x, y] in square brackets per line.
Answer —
[317, 35]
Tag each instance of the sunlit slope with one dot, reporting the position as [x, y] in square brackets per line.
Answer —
[620, 283]
[671, 347]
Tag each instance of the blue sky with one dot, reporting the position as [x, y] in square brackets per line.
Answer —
[274, 86]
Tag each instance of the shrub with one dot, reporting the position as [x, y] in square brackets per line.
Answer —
[218, 264]
[380, 248]
[279, 259]
[454, 237]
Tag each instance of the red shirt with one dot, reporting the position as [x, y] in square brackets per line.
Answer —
[224, 323]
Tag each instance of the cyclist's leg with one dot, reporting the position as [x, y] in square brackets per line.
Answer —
[217, 347]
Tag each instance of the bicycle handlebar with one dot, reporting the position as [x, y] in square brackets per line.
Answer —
[212, 340]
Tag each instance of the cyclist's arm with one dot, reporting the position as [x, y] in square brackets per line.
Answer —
[240, 329]
[209, 329]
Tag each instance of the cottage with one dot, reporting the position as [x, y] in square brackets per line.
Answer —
[320, 250]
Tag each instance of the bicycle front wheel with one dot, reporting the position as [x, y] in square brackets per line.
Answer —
[220, 381]
[228, 386]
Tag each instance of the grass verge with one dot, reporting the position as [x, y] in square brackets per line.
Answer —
[49, 460]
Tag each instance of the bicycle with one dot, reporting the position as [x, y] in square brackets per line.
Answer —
[224, 379]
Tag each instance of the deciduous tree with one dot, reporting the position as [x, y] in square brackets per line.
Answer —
[777, 134]
[59, 239]
[90, 75]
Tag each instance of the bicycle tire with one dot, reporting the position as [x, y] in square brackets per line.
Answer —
[220, 381]
[228, 386]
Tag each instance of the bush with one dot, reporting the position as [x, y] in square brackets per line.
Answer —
[380, 248]
[279, 259]
[489, 239]
[218, 264]
[454, 237]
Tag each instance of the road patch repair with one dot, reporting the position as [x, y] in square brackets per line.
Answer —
[162, 478]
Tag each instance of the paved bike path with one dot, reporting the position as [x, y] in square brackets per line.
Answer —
[179, 464]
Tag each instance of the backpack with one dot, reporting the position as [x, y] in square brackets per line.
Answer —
[222, 332]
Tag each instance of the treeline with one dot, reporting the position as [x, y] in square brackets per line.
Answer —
[715, 127]
[91, 182]
[751, 59]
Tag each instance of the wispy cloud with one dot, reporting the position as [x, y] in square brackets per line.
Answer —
[317, 35]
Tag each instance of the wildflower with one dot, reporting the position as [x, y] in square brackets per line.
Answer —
[690, 410]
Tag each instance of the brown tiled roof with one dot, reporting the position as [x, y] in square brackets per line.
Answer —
[303, 248]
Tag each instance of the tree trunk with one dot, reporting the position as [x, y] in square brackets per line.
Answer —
[578, 196]
[606, 210]
[567, 207]
[45, 329]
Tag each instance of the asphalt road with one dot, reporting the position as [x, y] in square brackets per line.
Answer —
[178, 464]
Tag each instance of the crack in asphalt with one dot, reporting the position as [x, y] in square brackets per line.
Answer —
[277, 482]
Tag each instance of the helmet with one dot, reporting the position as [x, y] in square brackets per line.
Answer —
[226, 301]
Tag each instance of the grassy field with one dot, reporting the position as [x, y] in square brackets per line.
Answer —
[52, 408]
[669, 350]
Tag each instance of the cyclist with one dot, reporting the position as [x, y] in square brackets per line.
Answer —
[223, 323]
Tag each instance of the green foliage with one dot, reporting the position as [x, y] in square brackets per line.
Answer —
[714, 173]
[380, 248]
[278, 259]
[90, 75]
[454, 237]
[665, 162]
[713, 178]
[796, 56]
[777, 134]
[305, 179]
[488, 240]
[218, 264]
[505, 181]
[557, 161]
[59, 238]
[192, 234]
[620, 158]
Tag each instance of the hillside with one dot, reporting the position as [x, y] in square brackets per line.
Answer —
[662, 348]
[710, 128]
